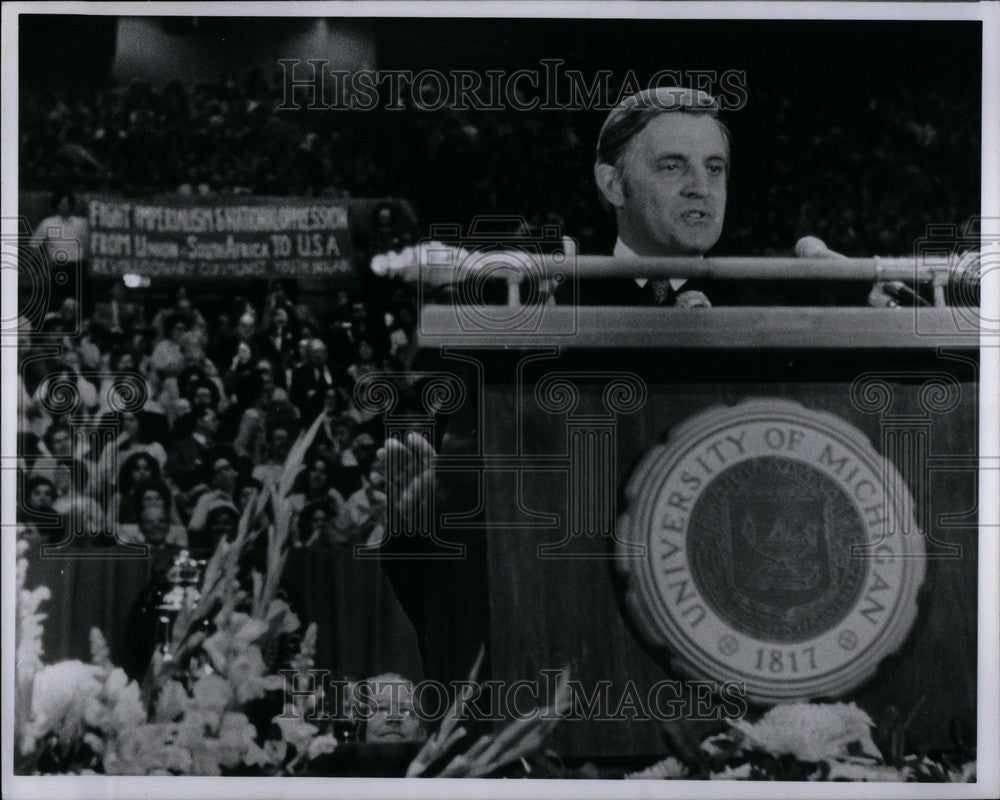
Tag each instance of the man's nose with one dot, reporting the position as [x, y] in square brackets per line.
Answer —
[696, 184]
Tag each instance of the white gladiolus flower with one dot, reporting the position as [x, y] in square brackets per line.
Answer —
[59, 698]
[667, 769]
[810, 732]
[853, 771]
[740, 773]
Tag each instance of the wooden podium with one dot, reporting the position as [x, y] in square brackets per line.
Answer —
[610, 384]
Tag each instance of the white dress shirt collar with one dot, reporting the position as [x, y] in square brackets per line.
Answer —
[622, 250]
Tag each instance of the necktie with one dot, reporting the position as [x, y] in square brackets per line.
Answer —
[663, 292]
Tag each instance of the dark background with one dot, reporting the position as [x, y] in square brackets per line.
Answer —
[862, 133]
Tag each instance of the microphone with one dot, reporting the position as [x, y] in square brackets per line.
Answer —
[884, 294]
[894, 293]
[811, 247]
[881, 297]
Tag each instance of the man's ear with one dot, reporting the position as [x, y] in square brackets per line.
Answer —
[609, 182]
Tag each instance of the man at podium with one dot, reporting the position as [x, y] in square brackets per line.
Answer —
[663, 162]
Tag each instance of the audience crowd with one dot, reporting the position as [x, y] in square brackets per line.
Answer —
[159, 425]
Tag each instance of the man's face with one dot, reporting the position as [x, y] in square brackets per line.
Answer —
[152, 506]
[673, 184]
[194, 356]
[317, 353]
[265, 371]
[225, 476]
[142, 471]
[279, 441]
[222, 525]
[246, 327]
[330, 401]
[61, 443]
[396, 719]
[40, 496]
[208, 422]
[202, 397]
[68, 310]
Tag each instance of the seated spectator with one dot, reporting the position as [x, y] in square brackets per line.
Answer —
[200, 395]
[186, 461]
[222, 343]
[127, 460]
[65, 321]
[395, 717]
[311, 381]
[243, 348]
[279, 411]
[62, 239]
[167, 357]
[341, 311]
[65, 374]
[220, 521]
[39, 523]
[364, 364]
[197, 368]
[261, 405]
[67, 472]
[138, 470]
[400, 330]
[278, 299]
[313, 485]
[153, 519]
[114, 320]
[277, 338]
[85, 524]
[269, 471]
[355, 464]
[247, 489]
[334, 434]
[322, 524]
[221, 487]
[182, 309]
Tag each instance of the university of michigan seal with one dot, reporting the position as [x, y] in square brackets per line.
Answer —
[778, 548]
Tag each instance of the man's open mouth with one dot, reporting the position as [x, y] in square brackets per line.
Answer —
[696, 216]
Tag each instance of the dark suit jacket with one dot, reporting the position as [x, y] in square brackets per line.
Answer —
[130, 317]
[269, 346]
[308, 389]
[186, 463]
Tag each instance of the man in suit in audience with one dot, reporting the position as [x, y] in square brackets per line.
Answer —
[311, 381]
[186, 461]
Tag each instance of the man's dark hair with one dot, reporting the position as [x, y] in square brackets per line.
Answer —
[634, 113]
[196, 384]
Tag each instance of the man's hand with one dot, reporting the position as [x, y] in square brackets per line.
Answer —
[398, 485]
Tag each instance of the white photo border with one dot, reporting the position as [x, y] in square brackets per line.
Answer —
[988, 717]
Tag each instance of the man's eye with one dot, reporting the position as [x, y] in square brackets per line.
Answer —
[668, 167]
[716, 169]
